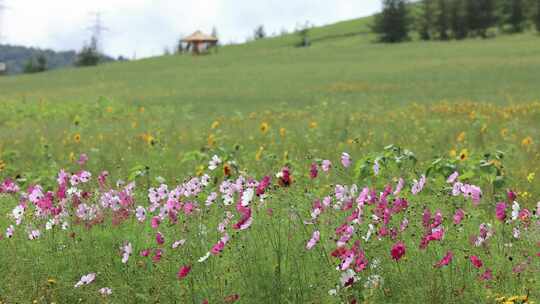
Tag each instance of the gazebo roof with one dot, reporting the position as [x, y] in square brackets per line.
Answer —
[198, 36]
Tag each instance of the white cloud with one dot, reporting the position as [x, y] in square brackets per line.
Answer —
[145, 27]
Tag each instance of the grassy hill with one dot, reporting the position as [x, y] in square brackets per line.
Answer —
[342, 56]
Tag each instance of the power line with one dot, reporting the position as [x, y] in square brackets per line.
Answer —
[97, 29]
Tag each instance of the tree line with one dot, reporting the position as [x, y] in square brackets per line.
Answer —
[454, 19]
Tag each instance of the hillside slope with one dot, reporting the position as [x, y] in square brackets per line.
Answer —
[342, 64]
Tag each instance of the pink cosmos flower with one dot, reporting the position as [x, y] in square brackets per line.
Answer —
[178, 243]
[285, 178]
[144, 253]
[105, 291]
[157, 255]
[398, 251]
[102, 179]
[220, 245]
[127, 250]
[452, 178]
[83, 158]
[487, 275]
[183, 271]
[160, 239]
[314, 240]
[313, 171]
[245, 220]
[8, 186]
[263, 185]
[511, 196]
[346, 159]
[500, 211]
[326, 165]
[418, 185]
[140, 214]
[376, 168]
[156, 220]
[399, 186]
[436, 235]
[476, 261]
[458, 216]
[85, 280]
[445, 260]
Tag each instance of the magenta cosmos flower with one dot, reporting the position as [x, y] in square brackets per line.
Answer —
[476, 261]
[183, 271]
[445, 260]
[398, 251]
[500, 211]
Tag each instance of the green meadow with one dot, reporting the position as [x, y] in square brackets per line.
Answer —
[414, 108]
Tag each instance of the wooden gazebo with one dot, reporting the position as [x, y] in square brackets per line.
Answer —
[199, 43]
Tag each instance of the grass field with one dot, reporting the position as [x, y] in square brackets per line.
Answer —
[400, 111]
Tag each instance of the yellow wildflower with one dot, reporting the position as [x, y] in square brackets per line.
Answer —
[527, 141]
[109, 109]
[199, 170]
[227, 169]
[215, 125]
[530, 177]
[504, 132]
[71, 157]
[77, 138]
[461, 137]
[452, 153]
[258, 155]
[2, 165]
[211, 140]
[264, 127]
[51, 281]
[313, 125]
[464, 154]
[148, 138]
[282, 132]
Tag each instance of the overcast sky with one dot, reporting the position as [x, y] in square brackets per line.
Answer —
[146, 27]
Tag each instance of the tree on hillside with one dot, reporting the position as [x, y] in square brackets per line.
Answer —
[36, 65]
[537, 16]
[513, 15]
[458, 19]
[392, 24]
[480, 16]
[425, 22]
[303, 32]
[180, 46]
[442, 23]
[89, 55]
[259, 32]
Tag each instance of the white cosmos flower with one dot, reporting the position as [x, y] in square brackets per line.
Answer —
[86, 279]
